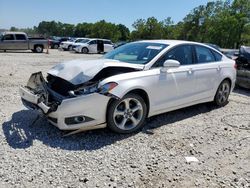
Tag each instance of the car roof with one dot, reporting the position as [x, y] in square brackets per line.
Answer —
[177, 42]
[13, 32]
[171, 42]
[99, 39]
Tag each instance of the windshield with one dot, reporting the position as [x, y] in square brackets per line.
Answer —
[83, 41]
[1, 36]
[136, 52]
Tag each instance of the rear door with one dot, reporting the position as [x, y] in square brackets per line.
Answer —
[21, 42]
[206, 71]
[8, 42]
[92, 46]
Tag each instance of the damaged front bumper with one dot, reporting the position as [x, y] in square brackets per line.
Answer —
[83, 112]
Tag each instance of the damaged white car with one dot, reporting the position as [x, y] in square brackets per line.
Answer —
[129, 84]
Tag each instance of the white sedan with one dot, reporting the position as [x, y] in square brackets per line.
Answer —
[129, 84]
[67, 45]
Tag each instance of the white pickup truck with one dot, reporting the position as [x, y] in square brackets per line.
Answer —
[20, 41]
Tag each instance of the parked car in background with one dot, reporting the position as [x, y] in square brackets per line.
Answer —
[55, 42]
[129, 84]
[231, 53]
[118, 44]
[67, 45]
[20, 41]
[243, 65]
[243, 59]
[94, 46]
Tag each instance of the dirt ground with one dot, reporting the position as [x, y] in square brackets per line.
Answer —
[36, 155]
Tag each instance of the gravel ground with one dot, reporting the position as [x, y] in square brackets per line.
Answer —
[38, 156]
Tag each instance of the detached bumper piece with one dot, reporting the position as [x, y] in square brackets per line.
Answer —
[31, 101]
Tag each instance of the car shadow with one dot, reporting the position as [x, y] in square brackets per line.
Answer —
[16, 52]
[20, 132]
[242, 91]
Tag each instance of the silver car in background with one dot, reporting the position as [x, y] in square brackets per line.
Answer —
[129, 84]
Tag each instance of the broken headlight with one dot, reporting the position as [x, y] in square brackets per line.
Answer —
[106, 88]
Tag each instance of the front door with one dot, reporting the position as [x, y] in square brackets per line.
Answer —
[8, 42]
[176, 86]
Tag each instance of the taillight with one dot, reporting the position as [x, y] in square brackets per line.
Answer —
[235, 66]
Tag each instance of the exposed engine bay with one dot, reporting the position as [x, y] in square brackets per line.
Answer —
[67, 89]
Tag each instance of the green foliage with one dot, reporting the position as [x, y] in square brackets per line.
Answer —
[224, 23]
[101, 29]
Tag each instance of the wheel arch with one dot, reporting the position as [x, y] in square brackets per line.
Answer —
[141, 92]
[83, 48]
[228, 79]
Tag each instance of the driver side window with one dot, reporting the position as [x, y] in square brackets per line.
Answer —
[182, 53]
[8, 37]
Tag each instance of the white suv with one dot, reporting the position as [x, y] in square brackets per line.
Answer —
[94, 46]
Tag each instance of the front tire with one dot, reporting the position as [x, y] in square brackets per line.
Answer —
[70, 48]
[127, 115]
[222, 94]
[56, 46]
[85, 50]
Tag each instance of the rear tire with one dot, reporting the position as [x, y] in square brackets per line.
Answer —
[127, 115]
[56, 46]
[85, 50]
[38, 49]
[222, 94]
[70, 48]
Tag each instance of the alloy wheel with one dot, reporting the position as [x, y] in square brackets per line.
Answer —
[223, 92]
[128, 114]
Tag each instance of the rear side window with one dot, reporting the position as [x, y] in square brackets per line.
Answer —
[20, 37]
[217, 56]
[204, 55]
[8, 37]
[107, 42]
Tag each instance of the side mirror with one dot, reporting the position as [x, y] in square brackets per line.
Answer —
[170, 63]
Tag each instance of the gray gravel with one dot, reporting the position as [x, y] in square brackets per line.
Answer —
[38, 156]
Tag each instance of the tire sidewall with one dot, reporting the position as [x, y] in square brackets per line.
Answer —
[56, 46]
[111, 108]
[216, 98]
[85, 50]
[37, 49]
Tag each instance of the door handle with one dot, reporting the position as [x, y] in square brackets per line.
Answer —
[219, 68]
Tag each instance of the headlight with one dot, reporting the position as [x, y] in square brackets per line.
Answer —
[107, 87]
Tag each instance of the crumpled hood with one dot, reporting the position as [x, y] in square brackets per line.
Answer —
[80, 71]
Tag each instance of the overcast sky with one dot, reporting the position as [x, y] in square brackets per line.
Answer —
[28, 13]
